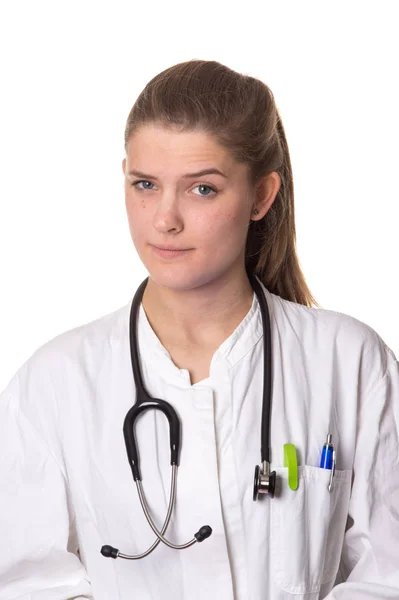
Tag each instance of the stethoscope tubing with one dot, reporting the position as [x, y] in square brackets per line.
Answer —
[264, 480]
[144, 401]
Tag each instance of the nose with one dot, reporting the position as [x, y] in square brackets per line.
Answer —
[168, 216]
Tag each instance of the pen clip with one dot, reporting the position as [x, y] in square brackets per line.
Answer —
[290, 461]
[330, 485]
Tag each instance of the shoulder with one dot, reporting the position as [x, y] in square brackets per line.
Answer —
[59, 371]
[81, 346]
[338, 336]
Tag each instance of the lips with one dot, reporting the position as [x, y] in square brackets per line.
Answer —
[169, 253]
[167, 247]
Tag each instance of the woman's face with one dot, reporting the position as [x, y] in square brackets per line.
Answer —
[207, 215]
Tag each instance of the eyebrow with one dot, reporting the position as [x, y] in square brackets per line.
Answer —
[186, 176]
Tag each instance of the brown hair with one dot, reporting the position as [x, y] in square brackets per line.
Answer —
[239, 111]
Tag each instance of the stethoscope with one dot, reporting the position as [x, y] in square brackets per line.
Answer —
[264, 480]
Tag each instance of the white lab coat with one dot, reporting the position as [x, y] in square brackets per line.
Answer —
[67, 488]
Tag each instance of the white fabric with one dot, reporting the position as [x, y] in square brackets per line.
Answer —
[67, 488]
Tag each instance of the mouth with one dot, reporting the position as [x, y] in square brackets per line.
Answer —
[170, 252]
[168, 247]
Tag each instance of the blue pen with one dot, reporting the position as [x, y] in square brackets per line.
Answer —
[327, 460]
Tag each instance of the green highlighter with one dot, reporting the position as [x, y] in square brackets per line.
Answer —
[291, 462]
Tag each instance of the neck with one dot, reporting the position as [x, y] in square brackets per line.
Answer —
[200, 316]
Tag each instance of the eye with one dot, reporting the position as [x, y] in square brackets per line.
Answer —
[201, 185]
[135, 183]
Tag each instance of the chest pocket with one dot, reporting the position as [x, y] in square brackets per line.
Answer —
[307, 528]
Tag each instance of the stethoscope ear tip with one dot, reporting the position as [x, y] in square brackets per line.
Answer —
[109, 551]
[204, 533]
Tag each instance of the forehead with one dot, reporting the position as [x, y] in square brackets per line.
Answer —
[154, 142]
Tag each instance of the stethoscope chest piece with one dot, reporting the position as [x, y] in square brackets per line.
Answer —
[264, 481]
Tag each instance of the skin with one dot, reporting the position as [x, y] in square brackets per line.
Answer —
[198, 299]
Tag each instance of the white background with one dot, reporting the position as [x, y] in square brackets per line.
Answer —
[70, 73]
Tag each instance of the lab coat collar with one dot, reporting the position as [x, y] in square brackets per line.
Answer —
[230, 352]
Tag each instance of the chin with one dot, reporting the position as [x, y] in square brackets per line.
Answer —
[176, 279]
[180, 279]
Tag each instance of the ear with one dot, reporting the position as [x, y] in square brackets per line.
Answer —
[266, 193]
[124, 165]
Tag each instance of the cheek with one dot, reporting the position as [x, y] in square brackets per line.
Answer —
[138, 217]
[228, 226]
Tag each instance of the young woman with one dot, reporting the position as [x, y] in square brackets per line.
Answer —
[210, 204]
